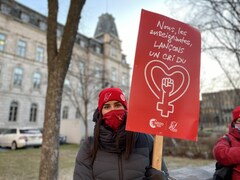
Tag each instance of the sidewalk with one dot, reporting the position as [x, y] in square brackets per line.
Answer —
[193, 173]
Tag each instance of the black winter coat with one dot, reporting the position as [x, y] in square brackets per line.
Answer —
[113, 166]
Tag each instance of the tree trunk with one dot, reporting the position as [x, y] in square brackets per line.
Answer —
[50, 146]
[58, 62]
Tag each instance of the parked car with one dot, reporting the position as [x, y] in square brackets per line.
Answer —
[62, 139]
[20, 137]
[2, 129]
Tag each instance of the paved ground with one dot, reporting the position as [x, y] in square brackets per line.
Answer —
[194, 173]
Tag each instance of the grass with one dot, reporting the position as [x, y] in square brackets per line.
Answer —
[23, 164]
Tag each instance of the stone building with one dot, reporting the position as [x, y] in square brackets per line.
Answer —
[96, 62]
[216, 107]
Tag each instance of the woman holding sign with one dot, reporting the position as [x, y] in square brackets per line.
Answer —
[114, 153]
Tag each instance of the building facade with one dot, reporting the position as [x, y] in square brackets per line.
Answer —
[96, 62]
[216, 107]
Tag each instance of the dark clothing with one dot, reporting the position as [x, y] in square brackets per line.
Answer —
[110, 163]
[229, 153]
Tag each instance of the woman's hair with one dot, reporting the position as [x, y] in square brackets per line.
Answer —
[130, 138]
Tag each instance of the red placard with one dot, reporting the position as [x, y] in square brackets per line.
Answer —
[165, 89]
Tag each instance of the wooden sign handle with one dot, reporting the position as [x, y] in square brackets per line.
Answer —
[157, 152]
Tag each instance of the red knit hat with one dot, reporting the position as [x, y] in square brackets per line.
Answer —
[236, 113]
[110, 94]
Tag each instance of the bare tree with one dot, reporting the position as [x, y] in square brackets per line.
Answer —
[219, 23]
[58, 62]
[84, 97]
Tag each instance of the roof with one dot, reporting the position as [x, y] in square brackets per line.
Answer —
[106, 24]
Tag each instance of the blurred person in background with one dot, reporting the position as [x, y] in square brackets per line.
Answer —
[114, 153]
[227, 149]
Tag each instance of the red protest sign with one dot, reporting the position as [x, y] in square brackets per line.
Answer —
[164, 95]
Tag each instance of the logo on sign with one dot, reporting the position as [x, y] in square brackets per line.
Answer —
[154, 123]
[173, 126]
[167, 84]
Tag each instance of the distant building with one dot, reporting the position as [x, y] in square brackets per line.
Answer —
[216, 107]
[23, 65]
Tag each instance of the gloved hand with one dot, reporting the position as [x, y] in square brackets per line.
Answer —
[154, 174]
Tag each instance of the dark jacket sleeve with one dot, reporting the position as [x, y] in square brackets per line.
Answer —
[83, 167]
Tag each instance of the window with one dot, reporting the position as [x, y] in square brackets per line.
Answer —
[9, 131]
[98, 71]
[81, 68]
[34, 20]
[5, 8]
[124, 59]
[39, 54]
[33, 113]
[21, 49]
[82, 43]
[114, 74]
[97, 50]
[25, 17]
[2, 42]
[13, 111]
[113, 52]
[124, 79]
[65, 112]
[67, 86]
[18, 75]
[42, 25]
[77, 116]
[36, 80]
[30, 131]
